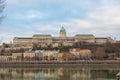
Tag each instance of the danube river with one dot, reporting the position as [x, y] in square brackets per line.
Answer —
[60, 73]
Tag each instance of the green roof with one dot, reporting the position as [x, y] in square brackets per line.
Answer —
[22, 38]
[84, 35]
[41, 35]
[62, 29]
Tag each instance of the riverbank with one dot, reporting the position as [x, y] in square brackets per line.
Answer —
[57, 63]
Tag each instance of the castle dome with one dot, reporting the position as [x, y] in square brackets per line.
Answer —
[62, 29]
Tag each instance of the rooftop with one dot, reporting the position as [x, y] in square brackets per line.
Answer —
[41, 35]
[103, 38]
[84, 35]
[22, 38]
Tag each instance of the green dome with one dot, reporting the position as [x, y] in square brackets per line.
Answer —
[62, 29]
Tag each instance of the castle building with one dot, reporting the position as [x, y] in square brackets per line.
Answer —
[62, 40]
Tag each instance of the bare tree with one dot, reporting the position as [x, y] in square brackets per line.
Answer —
[2, 6]
[1, 38]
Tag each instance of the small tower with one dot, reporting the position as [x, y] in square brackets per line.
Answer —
[62, 32]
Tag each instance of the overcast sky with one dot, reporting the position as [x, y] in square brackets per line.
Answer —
[27, 17]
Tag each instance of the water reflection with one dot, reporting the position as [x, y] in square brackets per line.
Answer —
[61, 73]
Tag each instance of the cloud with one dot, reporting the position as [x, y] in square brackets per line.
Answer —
[28, 17]
[101, 21]
[30, 14]
[109, 15]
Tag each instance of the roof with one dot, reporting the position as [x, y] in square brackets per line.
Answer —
[101, 38]
[22, 38]
[84, 35]
[41, 35]
[62, 29]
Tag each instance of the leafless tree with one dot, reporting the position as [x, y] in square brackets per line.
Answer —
[2, 6]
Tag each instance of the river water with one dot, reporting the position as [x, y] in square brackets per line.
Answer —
[60, 73]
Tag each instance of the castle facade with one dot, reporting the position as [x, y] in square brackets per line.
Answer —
[61, 40]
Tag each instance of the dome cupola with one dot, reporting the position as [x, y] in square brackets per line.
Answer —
[62, 32]
[62, 29]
